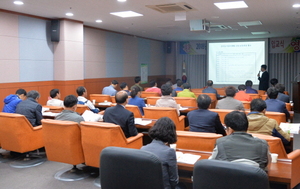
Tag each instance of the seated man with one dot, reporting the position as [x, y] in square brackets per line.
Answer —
[274, 105]
[242, 95]
[120, 116]
[153, 87]
[137, 81]
[249, 88]
[186, 91]
[239, 145]
[11, 101]
[111, 90]
[69, 114]
[82, 94]
[259, 123]
[166, 100]
[203, 120]
[31, 109]
[178, 88]
[281, 96]
[124, 87]
[55, 95]
[210, 89]
[273, 82]
[229, 102]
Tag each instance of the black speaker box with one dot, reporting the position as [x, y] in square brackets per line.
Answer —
[55, 28]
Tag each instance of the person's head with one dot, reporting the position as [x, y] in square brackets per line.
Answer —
[70, 102]
[272, 93]
[249, 83]
[273, 81]
[152, 83]
[114, 83]
[137, 79]
[166, 89]
[203, 101]
[179, 83]
[164, 130]
[236, 121]
[258, 105]
[54, 93]
[280, 87]
[263, 67]
[135, 91]
[33, 94]
[81, 91]
[186, 86]
[241, 87]
[124, 86]
[121, 97]
[230, 91]
[209, 83]
[21, 93]
[169, 83]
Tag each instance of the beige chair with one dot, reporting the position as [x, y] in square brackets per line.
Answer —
[135, 110]
[100, 97]
[186, 101]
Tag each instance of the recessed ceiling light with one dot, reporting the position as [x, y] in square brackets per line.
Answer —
[69, 14]
[99, 21]
[18, 3]
[126, 14]
[260, 33]
[231, 5]
[122, 0]
[296, 5]
[250, 23]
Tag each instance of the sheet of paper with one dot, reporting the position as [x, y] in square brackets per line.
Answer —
[292, 128]
[50, 114]
[139, 121]
[187, 158]
[105, 103]
[91, 116]
[45, 109]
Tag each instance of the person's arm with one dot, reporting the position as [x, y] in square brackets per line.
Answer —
[173, 170]
[39, 115]
[92, 107]
[131, 126]
[278, 132]
[287, 113]
[142, 105]
[219, 127]
[214, 153]
[241, 106]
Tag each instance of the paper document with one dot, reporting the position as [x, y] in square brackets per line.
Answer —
[91, 116]
[292, 128]
[187, 158]
[45, 109]
[105, 103]
[181, 108]
[50, 114]
[139, 121]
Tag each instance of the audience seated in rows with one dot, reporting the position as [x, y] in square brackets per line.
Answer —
[153, 87]
[240, 146]
[12, 100]
[124, 87]
[249, 88]
[31, 109]
[166, 100]
[55, 98]
[210, 89]
[186, 91]
[261, 124]
[137, 81]
[82, 94]
[111, 89]
[275, 105]
[241, 95]
[136, 100]
[203, 120]
[120, 116]
[281, 96]
[229, 102]
[69, 114]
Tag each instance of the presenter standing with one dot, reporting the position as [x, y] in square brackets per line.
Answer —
[264, 78]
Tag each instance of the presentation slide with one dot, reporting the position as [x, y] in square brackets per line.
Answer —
[234, 62]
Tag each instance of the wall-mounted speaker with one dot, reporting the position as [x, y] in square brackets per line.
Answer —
[55, 28]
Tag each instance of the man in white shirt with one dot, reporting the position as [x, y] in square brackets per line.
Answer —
[55, 96]
[82, 94]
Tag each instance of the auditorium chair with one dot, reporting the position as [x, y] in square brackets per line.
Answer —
[63, 144]
[199, 141]
[100, 97]
[254, 96]
[246, 105]
[18, 135]
[261, 92]
[149, 94]
[95, 136]
[57, 108]
[288, 106]
[135, 110]
[81, 108]
[186, 101]
[222, 113]
[199, 90]
[264, 97]
[130, 168]
[152, 100]
[216, 174]
[213, 98]
[158, 112]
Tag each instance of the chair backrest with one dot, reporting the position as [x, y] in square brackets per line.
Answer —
[288, 106]
[135, 110]
[100, 97]
[18, 135]
[254, 96]
[261, 92]
[95, 136]
[263, 97]
[148, 94]
[246, 104]
[54, 107]
[215, 174]
[279, 117]
[186, 101]
[159, 112]
[197, 90]
[213, 98]
[113, 99]
[221, 91]
[152, 100]
[199, 141]
[130, 168]
[222, 113]
[63, 141]
[81, 108]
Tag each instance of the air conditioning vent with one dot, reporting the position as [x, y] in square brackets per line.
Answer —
[172, 7]
[218, 27]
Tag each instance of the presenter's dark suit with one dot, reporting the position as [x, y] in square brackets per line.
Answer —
[274, 105]
[264, 81]
[120, 116]
[203, 120]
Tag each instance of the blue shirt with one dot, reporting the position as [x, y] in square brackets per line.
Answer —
[109, 90]
[211, 90]
[11, 102]
[251, 90]
[178, 89]
[139, 102]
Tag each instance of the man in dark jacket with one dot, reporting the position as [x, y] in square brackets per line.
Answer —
[264, 79]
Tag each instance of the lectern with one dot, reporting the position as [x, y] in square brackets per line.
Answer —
[296, 97]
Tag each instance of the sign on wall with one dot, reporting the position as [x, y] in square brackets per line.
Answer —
[285, 45]
[192, 47]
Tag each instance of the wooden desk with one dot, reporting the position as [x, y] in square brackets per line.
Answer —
[146, 126]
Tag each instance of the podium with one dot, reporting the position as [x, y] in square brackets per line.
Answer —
[296, 97]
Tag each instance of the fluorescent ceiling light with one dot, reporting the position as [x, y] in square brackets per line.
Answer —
[18, 3]
[122, 0]
[296, 5]
[126, 14]
[260, 33]
[69, 14]
[231, 5]
[250, 23]
[99, 21]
